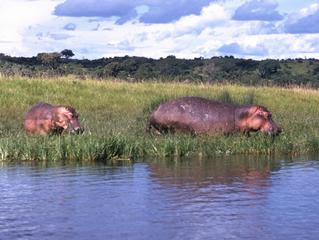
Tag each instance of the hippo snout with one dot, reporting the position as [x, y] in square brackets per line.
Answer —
[275, 131]
[77, 130]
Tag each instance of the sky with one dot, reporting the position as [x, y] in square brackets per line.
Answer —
[256, 29]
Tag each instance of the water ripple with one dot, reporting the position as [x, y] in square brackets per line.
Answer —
[199, 199]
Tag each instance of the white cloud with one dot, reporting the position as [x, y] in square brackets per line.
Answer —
[261, 10]
[29, 27]
[210, 16]
[309, 10]
[140, 39]
[304, 21]
[16, 16]
[164, 11]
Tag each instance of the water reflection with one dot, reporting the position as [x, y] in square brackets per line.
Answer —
[243, 197]
[248, 170]
[217, 196]
[231, 198]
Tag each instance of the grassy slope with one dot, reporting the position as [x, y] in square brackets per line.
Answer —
[115, 113]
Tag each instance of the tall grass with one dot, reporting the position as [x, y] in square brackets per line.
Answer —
[115, 115]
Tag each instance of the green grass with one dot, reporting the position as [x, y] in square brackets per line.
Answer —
[115, 114]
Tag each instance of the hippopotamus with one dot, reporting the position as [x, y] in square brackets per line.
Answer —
[45, 119]
[197, 115]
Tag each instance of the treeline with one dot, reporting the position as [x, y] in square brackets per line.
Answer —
[302, 72]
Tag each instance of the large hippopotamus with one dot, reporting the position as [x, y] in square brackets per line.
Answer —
[44, 119]
[198, 115]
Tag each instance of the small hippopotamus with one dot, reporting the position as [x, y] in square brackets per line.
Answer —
[198, 115]
[45, 119]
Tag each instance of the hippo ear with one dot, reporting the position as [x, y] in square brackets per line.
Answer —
[253, 111]
[71, 111]
[261, 111]
[64, 111]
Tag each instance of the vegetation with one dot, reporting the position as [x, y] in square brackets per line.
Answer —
[301, 72]
[115, 113]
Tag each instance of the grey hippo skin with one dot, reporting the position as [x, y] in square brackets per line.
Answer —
[198, 115]
[45, 119]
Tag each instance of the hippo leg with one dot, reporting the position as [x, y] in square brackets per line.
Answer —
[153, 128]
[57, 131]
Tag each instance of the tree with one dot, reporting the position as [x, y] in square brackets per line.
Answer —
[49, 58]
[316, 70]
[67, 53]
[268, 67]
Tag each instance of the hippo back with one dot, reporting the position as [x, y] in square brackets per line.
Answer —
[194, 114]
[38, 118]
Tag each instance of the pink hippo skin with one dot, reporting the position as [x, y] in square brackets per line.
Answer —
[45, 119]
[198, 115]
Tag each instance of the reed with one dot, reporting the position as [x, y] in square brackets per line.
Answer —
[115, 115]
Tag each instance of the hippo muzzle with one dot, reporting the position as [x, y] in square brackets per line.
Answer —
[77, 130]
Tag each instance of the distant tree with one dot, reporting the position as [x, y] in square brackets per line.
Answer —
[228, 69]
[67, 53]
[50, 59]
[247, 64]
[112, 69]
[208, 71]
[228, 65]
[268, 67]
[144, 71]
[316, 70]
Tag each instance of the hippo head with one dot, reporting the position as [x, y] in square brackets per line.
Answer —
[258, 118]
[66, 118]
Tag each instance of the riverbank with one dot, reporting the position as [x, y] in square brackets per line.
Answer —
[115, 114]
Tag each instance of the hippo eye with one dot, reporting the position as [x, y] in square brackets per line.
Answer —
[71, 116]
[75, 116]
[268, 115]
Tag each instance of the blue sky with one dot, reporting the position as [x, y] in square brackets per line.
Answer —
[255, 29]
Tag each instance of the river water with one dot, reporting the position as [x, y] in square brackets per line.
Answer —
[236, 197]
